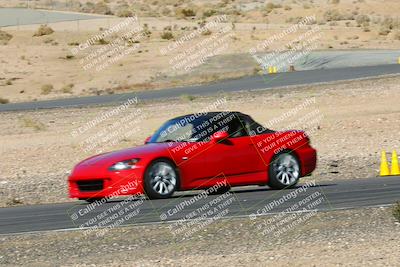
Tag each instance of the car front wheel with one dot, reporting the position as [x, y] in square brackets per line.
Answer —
[161, 179]
[284, 171]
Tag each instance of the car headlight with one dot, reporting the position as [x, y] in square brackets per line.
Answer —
[124, 165]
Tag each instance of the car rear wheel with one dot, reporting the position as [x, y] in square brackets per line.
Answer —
[161, 179]
[284, 171]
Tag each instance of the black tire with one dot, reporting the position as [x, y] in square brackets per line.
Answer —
[158, 185]
[281, 177]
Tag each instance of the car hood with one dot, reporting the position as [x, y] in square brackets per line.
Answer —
[125, 154]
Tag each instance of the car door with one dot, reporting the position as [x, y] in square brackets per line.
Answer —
[197, 160]
[193, 160]
[238, 155]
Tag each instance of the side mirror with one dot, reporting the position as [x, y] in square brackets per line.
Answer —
[147, 139]
[220, 136]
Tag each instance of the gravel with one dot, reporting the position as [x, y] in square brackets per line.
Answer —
[336, 238]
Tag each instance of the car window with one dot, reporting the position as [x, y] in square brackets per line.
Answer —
[252, 127]
[179, 133]
[236, 128]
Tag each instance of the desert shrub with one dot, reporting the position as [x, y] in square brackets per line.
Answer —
[124, 12]
[98, 8]
[362, 20]
[73, 43]
[390, 23]
[335, 2]
[29, 122]
[296, 20]
[207, 32]
[188, 97]
[396, 35]
[209, 13]
[14, 201]
[46, 89]
[188, 12]
[43, 30]
[333, 15]
[5, 37]
[185, 12]
[67, 89]
[102, 41]
[287, 7]
[271, 6]
[396, 211]
[4, 100]
[167, 35]
[384, 31]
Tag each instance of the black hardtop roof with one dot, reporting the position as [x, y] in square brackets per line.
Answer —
[208, 114]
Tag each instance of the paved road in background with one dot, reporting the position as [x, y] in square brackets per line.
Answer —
[341, 194]
[28, 16]
[247, 83]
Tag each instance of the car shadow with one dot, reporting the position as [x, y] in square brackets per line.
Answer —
[237, 191]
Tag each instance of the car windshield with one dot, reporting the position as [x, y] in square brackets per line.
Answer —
[192, 128]
[178, 130]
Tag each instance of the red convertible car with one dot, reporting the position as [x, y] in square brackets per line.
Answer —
[198, 151]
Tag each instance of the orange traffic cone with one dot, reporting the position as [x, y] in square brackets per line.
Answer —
[384, 165]
[395, 170]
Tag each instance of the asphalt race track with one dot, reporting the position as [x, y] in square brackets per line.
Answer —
[248, 83]
[340, 194]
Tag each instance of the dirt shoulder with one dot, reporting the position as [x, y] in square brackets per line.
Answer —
[350, 238]
[350, 123]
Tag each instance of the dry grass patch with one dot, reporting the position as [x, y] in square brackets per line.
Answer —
[396, 211]
[43, 30]
[5, 37]
[29, 122]
[46, 89]
[67, 89]
[167, 35]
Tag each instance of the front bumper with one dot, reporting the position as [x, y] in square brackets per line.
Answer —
[106, 184]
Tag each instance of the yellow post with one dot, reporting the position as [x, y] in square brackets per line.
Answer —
[270, 70]
[395, 170]
[275, 70]
[384, 171]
